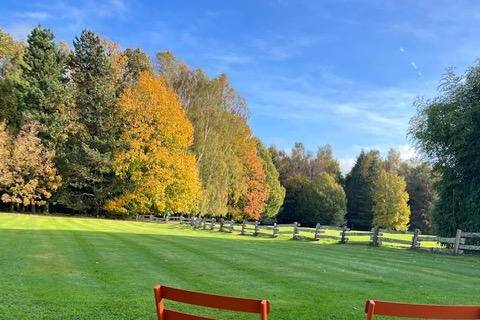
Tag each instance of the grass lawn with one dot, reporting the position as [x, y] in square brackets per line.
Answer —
[78, 268]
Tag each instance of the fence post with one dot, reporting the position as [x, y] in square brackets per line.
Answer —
[255, 233]
[375, 240]
[212, 225]
[221, 224]
[243, 227]
[167, 218]
[296, 234]
[317, 232]
[344, 238]
[151, 217]
[415, 242]
[456, 245]
[275, 230]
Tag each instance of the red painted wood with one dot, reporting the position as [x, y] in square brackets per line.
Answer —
[261, 307]
[422, 311]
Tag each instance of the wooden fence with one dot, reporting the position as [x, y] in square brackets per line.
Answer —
[375, 237]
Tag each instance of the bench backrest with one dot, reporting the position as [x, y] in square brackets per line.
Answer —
[420, 311]
[261, 307]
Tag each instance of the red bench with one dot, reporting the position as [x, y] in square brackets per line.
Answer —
[422, 311]
[261, 307]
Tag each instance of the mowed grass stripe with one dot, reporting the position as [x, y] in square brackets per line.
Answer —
[303, 280]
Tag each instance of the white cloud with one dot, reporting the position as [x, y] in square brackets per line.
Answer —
[407, 152]
[346, 164]
[414, 65]
[19, 31]
[402, 49]
[35, 15]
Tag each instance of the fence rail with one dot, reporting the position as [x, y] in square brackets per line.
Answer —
[376, 237]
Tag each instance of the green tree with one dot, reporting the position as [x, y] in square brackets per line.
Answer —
[294, 186]
[446, 130]
[11, 53]
[359, 188]
[420, 187]
[390, 208]
[310, 202]
[44, 91]
[276, 190]
[88, 165]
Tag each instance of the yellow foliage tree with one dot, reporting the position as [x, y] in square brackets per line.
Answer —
[155, 165]
[390, 202]
[30, 177]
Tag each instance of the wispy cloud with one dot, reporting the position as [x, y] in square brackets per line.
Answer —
[19, 31]
[35, 15]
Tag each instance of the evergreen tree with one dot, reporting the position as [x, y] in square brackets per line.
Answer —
[359, 187]
[44, 91]
[88, 171]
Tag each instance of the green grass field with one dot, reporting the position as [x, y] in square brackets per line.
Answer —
[79, 268]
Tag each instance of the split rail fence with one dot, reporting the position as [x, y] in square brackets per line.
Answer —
[376, 236]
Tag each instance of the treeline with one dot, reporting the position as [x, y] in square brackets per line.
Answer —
[388, 192]
[99, 130]
[96, 129]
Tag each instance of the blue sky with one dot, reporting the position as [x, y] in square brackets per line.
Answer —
[339, 72]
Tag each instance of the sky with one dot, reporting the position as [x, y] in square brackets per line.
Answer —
[344, 73]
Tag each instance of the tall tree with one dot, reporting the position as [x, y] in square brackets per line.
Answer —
[447, 130]
[88, 171]
[44, 96]
[324, 162]
[420, 187]
[359, 188]
[390, 208]
[11, 53]
[393, 161]
[223, 144]
[276, 190]
[155, 166]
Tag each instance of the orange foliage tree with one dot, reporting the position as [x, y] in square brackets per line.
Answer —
[253, 200]
[155, 165]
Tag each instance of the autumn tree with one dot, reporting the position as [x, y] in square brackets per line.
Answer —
[226, 152]
[252, 202]
[158, 172]
[324, 162]
[276, 192]
[6, 178]
[359, 188]
[390, 207]
[88, 165]
[393, 161]
[33, 174]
